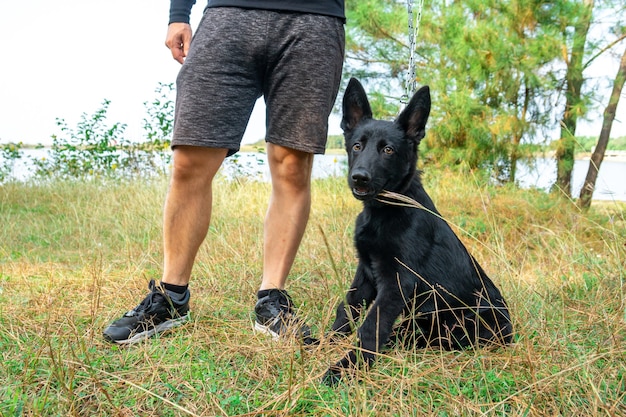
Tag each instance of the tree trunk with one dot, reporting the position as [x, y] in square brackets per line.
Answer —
[518, 133]
[598, 154]
[574, 78]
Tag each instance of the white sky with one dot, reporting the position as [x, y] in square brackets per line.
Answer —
[63, 58]
[67, 56]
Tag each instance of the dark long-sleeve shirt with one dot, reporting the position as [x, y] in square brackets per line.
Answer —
[180, 10]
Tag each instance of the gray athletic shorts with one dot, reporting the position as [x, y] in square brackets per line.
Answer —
[293, 60]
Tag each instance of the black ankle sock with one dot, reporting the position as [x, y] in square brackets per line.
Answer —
[178, 289]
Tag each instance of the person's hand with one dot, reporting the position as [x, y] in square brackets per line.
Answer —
[178, 40]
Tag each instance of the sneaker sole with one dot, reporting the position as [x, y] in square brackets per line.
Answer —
[160, 328]
[258, 327]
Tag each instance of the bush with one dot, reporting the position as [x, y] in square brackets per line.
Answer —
[9, 153]
[96, 149]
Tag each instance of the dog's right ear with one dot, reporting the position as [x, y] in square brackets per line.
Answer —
[356, 107]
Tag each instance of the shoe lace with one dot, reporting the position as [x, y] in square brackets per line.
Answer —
[147, 302]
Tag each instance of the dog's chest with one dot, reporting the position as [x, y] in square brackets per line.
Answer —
[380, 233]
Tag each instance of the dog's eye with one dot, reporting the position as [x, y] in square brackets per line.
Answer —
[388, 150]
[356, 147]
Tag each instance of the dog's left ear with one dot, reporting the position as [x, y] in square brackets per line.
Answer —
[413, 118]
[356, 106]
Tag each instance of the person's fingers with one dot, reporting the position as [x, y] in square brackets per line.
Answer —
[178, 39]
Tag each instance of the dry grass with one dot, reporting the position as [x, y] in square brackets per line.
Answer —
[73, 257]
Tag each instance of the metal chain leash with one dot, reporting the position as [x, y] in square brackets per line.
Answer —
[413, 33]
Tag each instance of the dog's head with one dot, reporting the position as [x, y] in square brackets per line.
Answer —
[382, 155]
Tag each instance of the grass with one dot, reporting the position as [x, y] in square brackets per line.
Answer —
[74, 256]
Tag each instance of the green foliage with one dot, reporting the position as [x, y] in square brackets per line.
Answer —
[9, 153]
[159, 124]
[588, 143]
[240, 167]
[495, 69]
[95, 148]
[335, 142]
[90, 149]
[481, 62]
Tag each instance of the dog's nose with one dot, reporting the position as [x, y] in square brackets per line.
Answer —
[360, 176]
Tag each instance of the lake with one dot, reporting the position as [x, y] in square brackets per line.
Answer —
[610, 185]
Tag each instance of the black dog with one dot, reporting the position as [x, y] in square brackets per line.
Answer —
[411, 264]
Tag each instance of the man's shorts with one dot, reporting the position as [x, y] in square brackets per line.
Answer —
[237, 55]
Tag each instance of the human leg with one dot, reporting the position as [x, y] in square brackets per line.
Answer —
[186, 218]
[187, 210]
[216, 91]
[285, 223]
[287, 214]
[300, 90]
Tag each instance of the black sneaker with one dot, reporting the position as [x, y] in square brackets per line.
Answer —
[159, 311]
[275, 317]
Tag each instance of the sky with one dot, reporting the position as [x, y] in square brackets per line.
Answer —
[68, 56]
[63, 58]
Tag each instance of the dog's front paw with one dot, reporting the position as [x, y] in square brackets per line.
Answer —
[332, 376]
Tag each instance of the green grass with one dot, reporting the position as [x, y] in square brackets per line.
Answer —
[74, 256]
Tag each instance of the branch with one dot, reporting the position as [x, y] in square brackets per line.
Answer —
[603, 50]
[388, 35]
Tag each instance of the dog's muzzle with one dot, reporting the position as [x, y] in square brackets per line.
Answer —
[361, 184]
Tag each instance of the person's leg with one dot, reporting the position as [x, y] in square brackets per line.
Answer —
[216, 89]
[287, 214]
[187, 210]
[306, 52]
[299, 93]
[186, 218]
[285, 223]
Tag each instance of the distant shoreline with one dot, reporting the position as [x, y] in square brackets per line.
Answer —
[618, 156]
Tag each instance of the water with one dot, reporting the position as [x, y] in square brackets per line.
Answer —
[610, 185]
[248, 164]
[252, 164]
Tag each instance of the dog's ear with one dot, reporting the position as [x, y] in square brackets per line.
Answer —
[356, 107]
[413, 118]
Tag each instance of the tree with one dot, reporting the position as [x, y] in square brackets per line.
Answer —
[598, 154]
[573, 98]
[483, 61]
[580, 51]
[496, 90]
[497, 70]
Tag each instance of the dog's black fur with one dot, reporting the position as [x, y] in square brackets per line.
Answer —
[411, 264]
